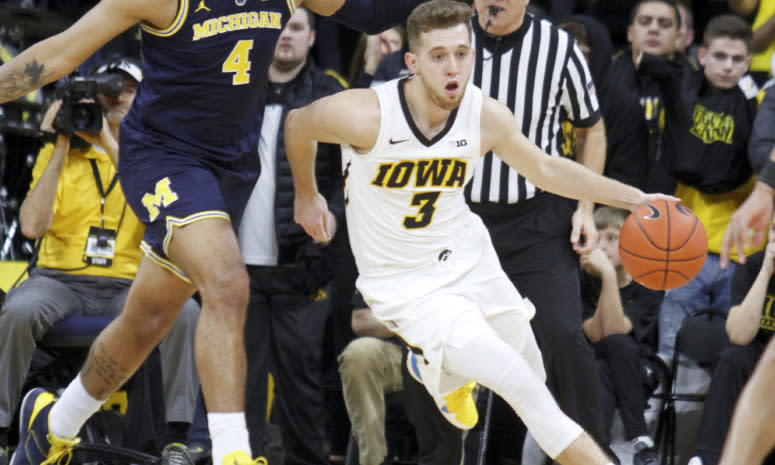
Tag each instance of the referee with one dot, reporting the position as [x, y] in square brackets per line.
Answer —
[540, 73]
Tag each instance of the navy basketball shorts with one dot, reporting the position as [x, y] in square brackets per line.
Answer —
[168, 190]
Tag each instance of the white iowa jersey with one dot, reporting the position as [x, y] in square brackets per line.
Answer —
[404, 198]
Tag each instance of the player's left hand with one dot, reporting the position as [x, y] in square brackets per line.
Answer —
[313, 215]
[583, 236]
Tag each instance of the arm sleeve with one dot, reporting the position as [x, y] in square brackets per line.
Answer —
[763, 137]
[374, 16]
[582, 105]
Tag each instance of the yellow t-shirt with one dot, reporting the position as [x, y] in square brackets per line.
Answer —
[77, 208]
[715, 211]
[761, 60]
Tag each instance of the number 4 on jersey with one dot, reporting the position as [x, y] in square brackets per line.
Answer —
[238, 62]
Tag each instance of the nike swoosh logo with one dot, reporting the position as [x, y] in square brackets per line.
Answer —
[655, 213]
[397, 141]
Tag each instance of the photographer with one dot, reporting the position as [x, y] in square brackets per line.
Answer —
[88, 250]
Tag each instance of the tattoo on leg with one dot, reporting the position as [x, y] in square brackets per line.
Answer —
[15, 83]
[106, 368]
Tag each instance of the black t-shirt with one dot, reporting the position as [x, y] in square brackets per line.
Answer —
[706, 131]
[742, 280]
[640, 305]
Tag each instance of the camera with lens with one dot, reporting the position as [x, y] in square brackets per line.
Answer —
[80, 111]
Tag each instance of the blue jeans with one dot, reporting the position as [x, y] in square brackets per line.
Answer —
[711, 288]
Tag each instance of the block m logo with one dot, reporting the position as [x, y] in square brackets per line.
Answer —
[162, 197]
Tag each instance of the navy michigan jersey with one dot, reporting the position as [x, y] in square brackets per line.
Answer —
[205, 76]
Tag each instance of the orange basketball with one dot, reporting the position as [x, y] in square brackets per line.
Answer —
[662, 245]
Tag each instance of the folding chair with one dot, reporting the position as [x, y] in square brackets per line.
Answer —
[701, 338]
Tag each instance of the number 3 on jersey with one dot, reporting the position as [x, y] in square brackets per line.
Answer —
[427, 203]
[238, 62]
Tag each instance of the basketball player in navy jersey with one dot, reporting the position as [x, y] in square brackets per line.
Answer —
[187, 166]
[427, 267]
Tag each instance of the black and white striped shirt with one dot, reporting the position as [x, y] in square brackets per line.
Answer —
[540, 73]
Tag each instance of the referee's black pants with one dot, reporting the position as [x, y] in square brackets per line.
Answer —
[532, 240]
[284, 334]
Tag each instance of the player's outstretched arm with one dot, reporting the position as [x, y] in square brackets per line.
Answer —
[350, 117]
[60, 54]
[554, 174]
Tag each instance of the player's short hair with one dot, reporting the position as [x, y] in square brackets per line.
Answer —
[670, 3]
[436, 14]
[729, 26]
[610, 217]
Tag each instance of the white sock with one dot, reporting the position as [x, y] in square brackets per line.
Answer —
[229, 432]
[71, 411]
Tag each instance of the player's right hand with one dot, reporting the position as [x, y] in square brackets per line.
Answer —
[312, 214]
[748, 224]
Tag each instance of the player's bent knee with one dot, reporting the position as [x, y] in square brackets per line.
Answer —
[228, 290]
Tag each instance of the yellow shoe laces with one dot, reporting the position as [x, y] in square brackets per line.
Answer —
[61, 451]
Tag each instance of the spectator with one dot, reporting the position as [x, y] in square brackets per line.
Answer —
[620, 319]
[653, 29]
[750, 324]
[370, 51]
[709, 116]
[88, 254]
[763, 42]
[287, 309]
[762, 137]
[685, 40]
[626, 135]
[370, 367]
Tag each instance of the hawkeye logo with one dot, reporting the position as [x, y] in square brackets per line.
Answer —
[711, 127]
[236, 22]
[438, 172]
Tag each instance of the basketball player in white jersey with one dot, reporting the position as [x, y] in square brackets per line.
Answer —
[427, 267]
